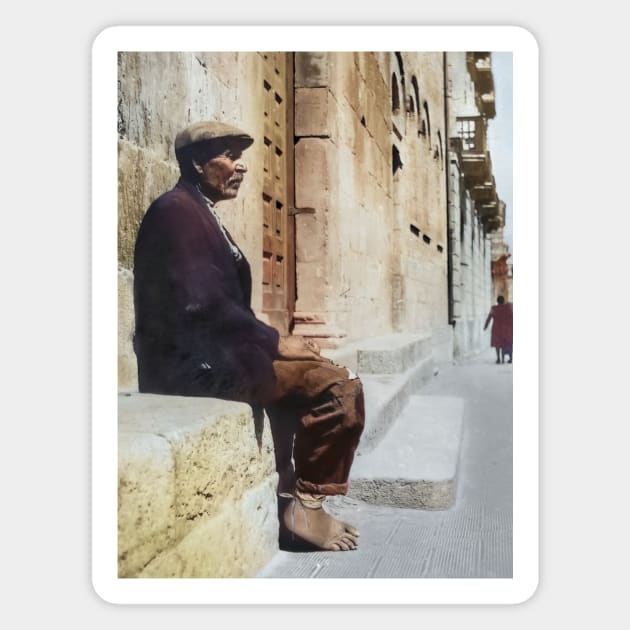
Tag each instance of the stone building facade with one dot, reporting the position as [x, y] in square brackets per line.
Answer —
[369, 197]
[501, 268]
[371, 258]
[476, 215]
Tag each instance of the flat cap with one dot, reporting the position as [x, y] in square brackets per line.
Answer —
[209, 130]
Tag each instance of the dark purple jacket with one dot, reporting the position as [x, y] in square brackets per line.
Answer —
[196, 334]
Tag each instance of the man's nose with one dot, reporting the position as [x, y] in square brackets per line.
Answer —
[241, 166]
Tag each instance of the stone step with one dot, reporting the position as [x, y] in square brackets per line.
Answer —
[392, 354]
[386, 395]
[415, 464]
[388, 354]
[196, 488]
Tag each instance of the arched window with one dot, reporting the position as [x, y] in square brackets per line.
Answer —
[396, 161]
[411, 105]
[401, 74]
[401, 66]
[395, 95]
[415, 95]
[427, 117]
[399, 95]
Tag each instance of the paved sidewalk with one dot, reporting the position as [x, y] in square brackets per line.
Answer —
[473, 539]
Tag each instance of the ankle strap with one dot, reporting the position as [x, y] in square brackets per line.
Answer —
[308, 500]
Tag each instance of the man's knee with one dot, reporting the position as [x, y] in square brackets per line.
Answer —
[350, 395]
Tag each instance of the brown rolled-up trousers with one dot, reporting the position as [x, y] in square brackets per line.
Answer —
[317, 402]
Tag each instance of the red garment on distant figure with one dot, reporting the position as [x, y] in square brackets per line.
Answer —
[501, 316]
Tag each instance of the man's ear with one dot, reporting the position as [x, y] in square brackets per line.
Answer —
[197, 166]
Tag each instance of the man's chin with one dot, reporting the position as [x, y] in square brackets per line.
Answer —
[231, 192]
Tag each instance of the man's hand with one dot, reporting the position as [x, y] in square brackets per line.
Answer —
[295, 347]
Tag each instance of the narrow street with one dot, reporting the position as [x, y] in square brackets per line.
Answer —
[473, 539]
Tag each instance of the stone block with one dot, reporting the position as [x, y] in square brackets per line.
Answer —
[311, 69]
[141, 179]
[311, 242]
[312, 112]
[416, 463]
[127, 363]
[314, 167]
[318, 327]
[316, 290]
[146, 499]
[188, 468]
[385, 398]
[349, 86]
[234, 543]
[391, 354]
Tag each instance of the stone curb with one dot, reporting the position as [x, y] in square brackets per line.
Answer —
[415, 465]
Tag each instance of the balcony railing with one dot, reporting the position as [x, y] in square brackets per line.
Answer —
[488, 210]
[487, 104]
[479, 66]
[484, 192]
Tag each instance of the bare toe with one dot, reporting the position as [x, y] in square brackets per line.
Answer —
[342, 544]
[350, 542]
[351, 530]
[350, 538]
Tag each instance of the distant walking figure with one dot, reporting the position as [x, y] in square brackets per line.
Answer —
[501, 340]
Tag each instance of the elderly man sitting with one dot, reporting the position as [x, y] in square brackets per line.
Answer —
[196, 335]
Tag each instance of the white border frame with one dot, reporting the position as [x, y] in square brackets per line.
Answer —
[524, 582]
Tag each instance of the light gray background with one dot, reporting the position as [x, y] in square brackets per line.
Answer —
[45, 256]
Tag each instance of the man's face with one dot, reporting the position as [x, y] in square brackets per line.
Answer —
[220, 177]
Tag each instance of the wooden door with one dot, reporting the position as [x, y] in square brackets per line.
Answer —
[278, 222]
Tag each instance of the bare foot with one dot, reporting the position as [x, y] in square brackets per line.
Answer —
[317, 528]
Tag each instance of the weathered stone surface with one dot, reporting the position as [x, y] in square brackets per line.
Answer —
[416, 464]
[442, 341]
[314, 170]
[311, 112]
[385, 398]
[313, 274]
[202, 457]
[311, 245]
[141, 179]
[405, 493]
[392, 354]
[311, 69]
[234, 543]
[127, 363]
[146, 497]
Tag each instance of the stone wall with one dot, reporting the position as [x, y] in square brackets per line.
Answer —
[420, 192]
[471, 277]
[160, 94]
[371, 258]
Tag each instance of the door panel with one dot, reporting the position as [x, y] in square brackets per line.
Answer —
[278, 226]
